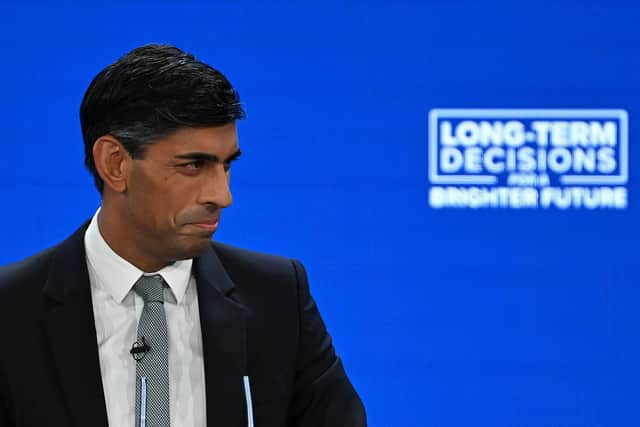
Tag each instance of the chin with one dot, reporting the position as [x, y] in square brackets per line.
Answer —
[195, 249]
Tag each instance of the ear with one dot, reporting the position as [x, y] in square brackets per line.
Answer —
[113, 162]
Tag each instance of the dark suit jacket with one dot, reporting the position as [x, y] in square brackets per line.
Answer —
[257, 316]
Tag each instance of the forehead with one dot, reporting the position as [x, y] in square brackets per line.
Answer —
[215, 140]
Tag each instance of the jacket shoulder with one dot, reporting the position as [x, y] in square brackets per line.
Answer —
[31, 273]
[26, 275]
[234, 258]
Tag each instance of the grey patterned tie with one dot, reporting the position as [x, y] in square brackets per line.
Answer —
[152, 369]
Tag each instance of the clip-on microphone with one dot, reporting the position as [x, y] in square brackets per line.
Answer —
[139, 349]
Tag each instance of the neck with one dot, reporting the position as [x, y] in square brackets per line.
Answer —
[116, 231]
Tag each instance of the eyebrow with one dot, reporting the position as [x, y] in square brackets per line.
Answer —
[208, 157]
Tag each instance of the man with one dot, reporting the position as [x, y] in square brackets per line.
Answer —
[138, 318]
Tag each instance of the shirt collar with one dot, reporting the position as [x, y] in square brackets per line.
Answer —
[118, 275]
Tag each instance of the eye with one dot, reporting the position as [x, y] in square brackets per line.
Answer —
[194, 165]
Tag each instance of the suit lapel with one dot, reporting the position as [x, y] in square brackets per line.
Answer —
[223, 324]
[70, 328]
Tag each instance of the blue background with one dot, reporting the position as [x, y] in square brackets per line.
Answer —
[443, 318]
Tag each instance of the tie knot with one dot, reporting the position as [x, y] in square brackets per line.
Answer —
[150, 288]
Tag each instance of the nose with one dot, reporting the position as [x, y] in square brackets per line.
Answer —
[215, 187]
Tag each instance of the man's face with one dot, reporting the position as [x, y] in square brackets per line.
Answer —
[176, 192]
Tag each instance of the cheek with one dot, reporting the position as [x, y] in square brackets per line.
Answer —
[152, 202]
[160, 200]
[176, 201]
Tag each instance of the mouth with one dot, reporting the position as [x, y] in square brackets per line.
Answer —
[210, 225]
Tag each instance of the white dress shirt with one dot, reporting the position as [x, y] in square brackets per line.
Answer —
[117, 309]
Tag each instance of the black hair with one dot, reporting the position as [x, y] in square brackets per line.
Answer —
[149, 93]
